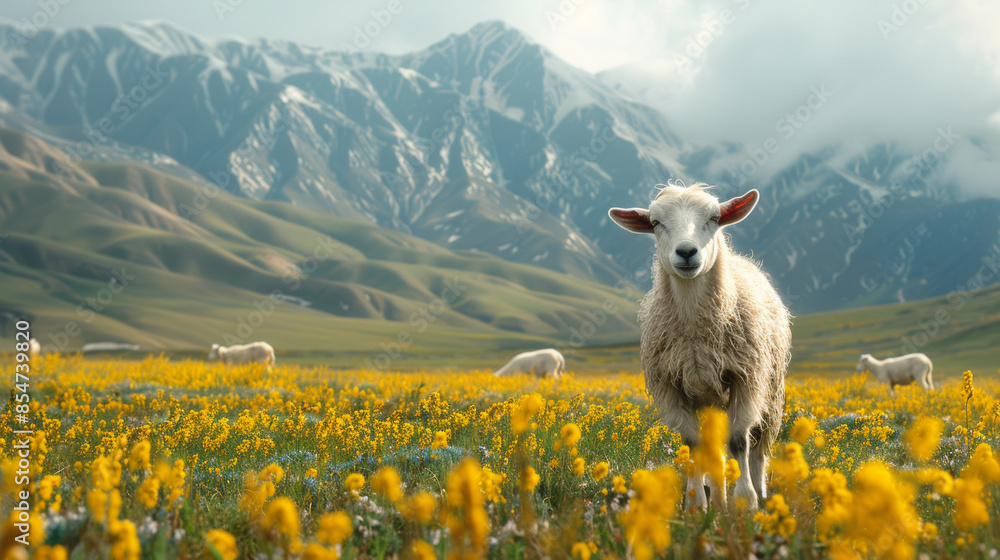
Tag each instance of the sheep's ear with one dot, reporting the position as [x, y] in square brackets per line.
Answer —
[736, 209]
[635, 220]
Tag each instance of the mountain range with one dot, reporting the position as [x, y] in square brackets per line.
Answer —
[105, 251]
[487, 142]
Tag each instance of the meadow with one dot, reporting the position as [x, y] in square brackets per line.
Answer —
[183, 459]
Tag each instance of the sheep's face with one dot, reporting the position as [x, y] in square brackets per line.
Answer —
[686, 224]
[863, 362]
[213, 354]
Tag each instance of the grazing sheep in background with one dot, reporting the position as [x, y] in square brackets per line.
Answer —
[543, 363]
[34, 349]
[901, 370]
[255, 352]
[714, 331]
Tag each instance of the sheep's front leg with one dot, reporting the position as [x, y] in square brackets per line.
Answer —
[742, 415]
[685, 423]
[739, 450]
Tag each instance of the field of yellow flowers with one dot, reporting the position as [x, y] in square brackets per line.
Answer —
[161, 459]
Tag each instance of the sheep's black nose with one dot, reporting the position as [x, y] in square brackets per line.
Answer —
[686, 251]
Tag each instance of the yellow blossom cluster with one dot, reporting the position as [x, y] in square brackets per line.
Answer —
[311, 462]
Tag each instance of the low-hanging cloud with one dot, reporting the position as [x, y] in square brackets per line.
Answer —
[721, 70]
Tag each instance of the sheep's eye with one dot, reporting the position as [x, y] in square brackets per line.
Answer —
[655, 223]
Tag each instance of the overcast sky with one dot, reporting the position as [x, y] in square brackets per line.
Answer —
[720, 69]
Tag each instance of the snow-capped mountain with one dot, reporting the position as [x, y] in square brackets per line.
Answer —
[484, 141]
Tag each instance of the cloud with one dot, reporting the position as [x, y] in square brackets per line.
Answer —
[721, 70]
[898, 71]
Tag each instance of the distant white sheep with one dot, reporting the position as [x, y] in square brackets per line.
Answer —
[548, 362]
[714, 333]
[255, 352]
[34, 349]
[901, 370]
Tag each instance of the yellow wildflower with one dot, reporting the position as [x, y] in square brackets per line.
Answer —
[579, 466]
[272, 472]
[930, 532]
[529, 479]
[223, 543]
[470, 529]
[788, 471]
[354, 483]
[941, 480]
[333, 528]
[491, 483]
[970, 509]
[422, 550]
[315, 551]
[922, 437]
[967, 388]
[882, 516]
[520, 420]
[618, 483]
[48, 485]
[646, 522]
[440, 440]
[600, 470]
[282, 518]
[311, 473]
[57, 552]
[138, 459]
[983, 464]
[580, 551]
[569, 434]
[802, 429]
[148, 492]
[732, 470]
[683, 460]
[386, 483]
[419, 508]
[125, 540]
[710, 455]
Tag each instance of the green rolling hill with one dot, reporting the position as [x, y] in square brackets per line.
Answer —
[121, 252]
[958, 332]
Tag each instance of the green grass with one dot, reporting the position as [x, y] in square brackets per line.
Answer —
[195, 280]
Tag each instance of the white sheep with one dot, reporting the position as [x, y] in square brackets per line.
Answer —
[547, 362]
[714, 331]
[34, 349]
[254, 352]
[901, 370]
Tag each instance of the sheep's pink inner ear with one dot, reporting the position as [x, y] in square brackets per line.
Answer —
[635, 220]
[738, 208]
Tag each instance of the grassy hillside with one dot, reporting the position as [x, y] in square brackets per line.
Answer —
[958, 332]
[128, 254]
